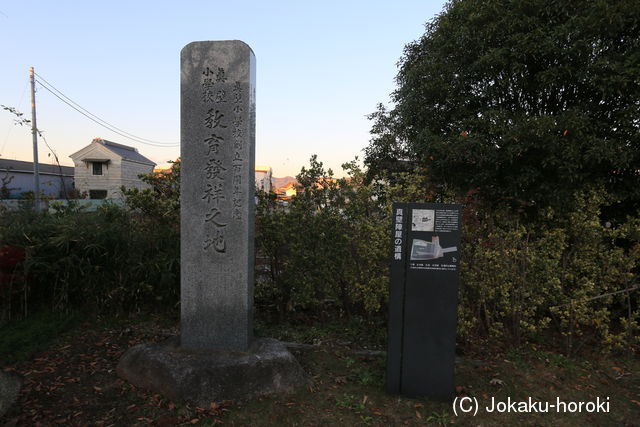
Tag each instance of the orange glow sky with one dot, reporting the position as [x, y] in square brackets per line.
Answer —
[322, 66]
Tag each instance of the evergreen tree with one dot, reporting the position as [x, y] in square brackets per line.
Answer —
[523, 100]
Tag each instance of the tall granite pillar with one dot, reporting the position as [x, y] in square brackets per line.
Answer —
[217, 194]
[215, 358]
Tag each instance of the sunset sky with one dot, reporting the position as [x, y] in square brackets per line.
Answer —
[322, 66]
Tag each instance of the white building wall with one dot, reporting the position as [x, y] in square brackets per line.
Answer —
[50, 185]
[263, 179]
[110, 179]
[130, 172]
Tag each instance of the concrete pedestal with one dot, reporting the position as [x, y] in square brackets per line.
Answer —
[205, 376]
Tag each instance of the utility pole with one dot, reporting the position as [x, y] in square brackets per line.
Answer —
[34, 133]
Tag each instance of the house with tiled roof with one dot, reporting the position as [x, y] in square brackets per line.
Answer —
[16, 179]
[103, 167]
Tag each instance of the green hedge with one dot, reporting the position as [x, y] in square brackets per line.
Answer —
[108, 260]
[523, 277]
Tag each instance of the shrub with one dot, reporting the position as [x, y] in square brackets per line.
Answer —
[103, 261]
[327, 247]
[520, 278]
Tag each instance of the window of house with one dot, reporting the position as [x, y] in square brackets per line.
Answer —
[97, 168]
[97, 194]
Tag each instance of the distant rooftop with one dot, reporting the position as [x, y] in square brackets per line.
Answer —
[124, 151]
[7, 165]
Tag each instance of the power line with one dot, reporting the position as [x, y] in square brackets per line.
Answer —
[106, 125]
[101, 124]
[62, 97]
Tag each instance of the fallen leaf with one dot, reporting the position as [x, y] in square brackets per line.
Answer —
[496, 381]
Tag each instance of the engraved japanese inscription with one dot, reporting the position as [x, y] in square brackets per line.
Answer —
[217, 200]
[214, 147]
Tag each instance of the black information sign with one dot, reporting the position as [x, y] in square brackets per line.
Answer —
[423, 299]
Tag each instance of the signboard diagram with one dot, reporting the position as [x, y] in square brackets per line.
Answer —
[423, 299]
[422, 219]
[421, 250]
[433, 237]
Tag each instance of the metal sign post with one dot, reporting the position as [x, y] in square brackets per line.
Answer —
[423, 299]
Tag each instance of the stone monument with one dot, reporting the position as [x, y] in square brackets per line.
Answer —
[217, 194]
[215, 357]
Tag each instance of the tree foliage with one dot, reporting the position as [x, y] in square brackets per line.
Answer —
[327, 246]
[563, 272]
[100, 261]
[327, 252]
[161, 200]
[524, 100]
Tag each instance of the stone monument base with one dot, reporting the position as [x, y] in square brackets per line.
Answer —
[205, 376]
[10, 384]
